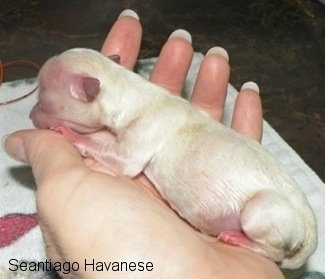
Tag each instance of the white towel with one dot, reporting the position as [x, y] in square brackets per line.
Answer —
[17, 189]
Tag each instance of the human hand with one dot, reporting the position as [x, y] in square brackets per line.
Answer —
[86, 214]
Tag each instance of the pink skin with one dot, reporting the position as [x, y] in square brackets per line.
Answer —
[47, 113]
[54, 107]
[235, 238]
[43, 120]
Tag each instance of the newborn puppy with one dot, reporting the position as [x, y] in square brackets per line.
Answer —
[221, 182]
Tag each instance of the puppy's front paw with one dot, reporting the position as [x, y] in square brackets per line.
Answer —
[67, 133]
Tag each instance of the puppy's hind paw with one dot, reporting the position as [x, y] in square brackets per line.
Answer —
[235, 238]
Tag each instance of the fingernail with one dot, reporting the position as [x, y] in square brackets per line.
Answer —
[251, 85]
[130, 13]
[218, 50]
[181, 33]
[14, 147]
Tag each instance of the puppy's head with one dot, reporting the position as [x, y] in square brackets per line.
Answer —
[68, 87]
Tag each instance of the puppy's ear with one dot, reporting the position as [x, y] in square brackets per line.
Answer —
[85, 88]
[116, 58]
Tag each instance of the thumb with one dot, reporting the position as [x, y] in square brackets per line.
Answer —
[47, 152]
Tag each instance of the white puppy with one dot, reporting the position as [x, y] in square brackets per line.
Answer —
[221, 182]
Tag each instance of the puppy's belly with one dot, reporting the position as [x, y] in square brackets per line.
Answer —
[221, 224]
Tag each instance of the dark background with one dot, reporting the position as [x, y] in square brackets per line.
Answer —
[280, 44]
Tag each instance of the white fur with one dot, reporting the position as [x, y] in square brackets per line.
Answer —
[217, 179]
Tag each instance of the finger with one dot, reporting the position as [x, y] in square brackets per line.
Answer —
[248, 115]
[173, 62]
[46, 151]
[124, 39]
[210, 88]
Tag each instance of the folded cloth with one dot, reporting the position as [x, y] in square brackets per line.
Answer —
[20, 236]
